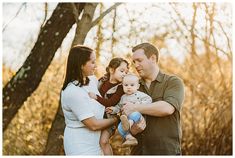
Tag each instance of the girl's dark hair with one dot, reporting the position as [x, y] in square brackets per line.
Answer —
[78, 56]
[114, 63]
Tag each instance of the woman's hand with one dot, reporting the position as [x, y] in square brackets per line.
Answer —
[92, 95]
[109, 110]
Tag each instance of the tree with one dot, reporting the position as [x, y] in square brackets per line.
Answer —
[28, 77]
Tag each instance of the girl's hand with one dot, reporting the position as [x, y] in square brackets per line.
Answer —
[92, 95]
[109, 110]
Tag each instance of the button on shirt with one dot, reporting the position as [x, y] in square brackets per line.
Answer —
[135, 98]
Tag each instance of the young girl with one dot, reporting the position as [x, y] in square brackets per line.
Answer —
[111, 90]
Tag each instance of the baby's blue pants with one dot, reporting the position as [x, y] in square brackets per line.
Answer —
[135, 116]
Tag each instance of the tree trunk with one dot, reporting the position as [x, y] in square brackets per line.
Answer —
[28, 77]
[55, 137]
[84, 25]
[100, 40]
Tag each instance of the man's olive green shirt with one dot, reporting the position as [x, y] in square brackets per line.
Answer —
[162, 135]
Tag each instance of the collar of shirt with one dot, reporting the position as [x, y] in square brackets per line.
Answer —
[159, 78]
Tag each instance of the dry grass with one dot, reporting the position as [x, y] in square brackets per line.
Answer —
[27, 134]
[206, 115]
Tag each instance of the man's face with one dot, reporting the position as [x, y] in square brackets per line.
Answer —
[142, 63]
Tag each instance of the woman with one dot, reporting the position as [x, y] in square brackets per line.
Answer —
[83, 115]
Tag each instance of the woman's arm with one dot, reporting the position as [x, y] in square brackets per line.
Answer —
[78, 102]
[98, 124]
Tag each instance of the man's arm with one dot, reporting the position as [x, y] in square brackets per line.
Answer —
[159, 108]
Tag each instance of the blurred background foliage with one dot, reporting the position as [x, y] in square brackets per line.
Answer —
[194, 47]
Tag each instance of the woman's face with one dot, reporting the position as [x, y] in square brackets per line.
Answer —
[90, 66]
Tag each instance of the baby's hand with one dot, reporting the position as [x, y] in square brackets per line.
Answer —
[109, 110]
[92, 95]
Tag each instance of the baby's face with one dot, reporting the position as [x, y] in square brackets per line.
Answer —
[130, 85]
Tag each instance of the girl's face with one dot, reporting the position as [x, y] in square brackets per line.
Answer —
[90, 66]
[118, 74]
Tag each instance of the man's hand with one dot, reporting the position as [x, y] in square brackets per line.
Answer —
[138, 127]
[92, 95]
[128, 108]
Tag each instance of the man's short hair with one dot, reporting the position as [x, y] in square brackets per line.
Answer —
[149, 49]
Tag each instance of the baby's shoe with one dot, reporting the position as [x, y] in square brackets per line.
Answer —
[130, 141]
[125, 122]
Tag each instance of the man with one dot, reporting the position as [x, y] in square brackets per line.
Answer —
[162, 135]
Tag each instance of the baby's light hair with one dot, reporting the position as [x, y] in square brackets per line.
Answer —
[131, 75]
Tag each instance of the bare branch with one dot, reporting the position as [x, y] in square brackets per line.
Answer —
[196, 32]
[84, 24]
[114, 40]
[193, 50]
[104, 13]
[75, 12]
[228, 40]
[45, 17]
[23, 5]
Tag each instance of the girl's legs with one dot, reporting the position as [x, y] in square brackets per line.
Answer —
[104, 142]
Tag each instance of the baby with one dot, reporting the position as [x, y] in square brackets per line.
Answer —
[130, 86]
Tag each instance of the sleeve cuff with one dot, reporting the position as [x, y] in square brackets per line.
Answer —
[85, 116]
[173, 102]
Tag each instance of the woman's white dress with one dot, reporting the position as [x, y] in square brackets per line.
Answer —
[77, 106]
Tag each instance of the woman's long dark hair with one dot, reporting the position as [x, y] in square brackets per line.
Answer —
[78, 56]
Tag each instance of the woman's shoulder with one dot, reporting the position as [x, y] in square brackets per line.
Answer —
[93, 78]
[72, 88]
